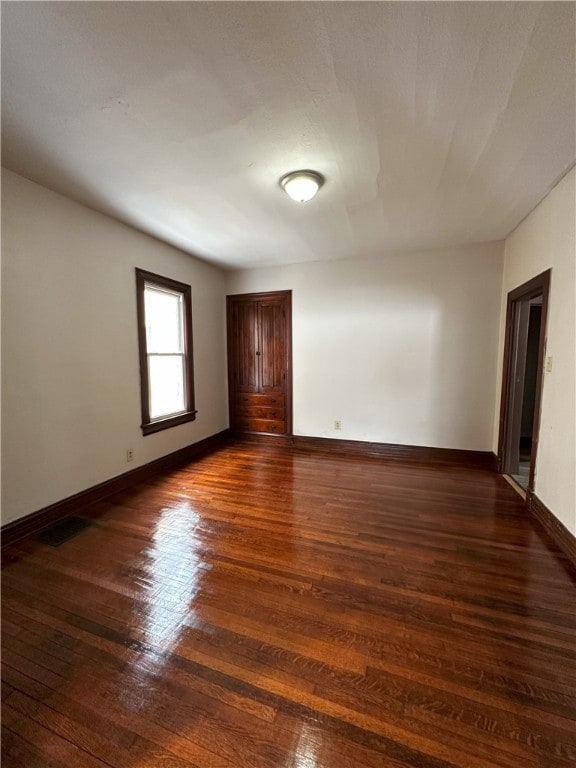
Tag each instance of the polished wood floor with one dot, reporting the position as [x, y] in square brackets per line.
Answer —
[266, 607]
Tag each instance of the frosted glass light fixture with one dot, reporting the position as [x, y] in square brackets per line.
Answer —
[301, 185]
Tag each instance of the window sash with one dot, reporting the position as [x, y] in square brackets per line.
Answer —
[180, 346]
[182, 357]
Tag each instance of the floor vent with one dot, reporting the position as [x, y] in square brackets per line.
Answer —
[62, 531]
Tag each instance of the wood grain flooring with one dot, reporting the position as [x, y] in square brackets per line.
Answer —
[272, 607]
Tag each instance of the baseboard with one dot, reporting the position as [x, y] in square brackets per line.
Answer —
[561, 536]
[37, 521]
[405, 453]
[389, 451]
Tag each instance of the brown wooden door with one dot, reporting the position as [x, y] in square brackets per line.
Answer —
[243, 322]
[260, 362]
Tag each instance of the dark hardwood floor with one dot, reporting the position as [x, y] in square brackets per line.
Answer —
[268, 607]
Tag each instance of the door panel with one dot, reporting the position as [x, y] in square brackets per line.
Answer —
[259, 362]
[245, 360]
[271, 426]
[261, 411]
[277, 400]
[272, 358]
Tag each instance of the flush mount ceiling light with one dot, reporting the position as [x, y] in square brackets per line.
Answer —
[301, 185]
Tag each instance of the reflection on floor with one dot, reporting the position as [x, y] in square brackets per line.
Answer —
[523, 474]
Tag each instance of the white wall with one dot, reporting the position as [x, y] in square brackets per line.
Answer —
[70, 389]
[401, 350]
[546, 239]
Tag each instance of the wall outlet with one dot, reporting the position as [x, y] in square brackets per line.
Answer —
[549, 364]
[338, 424]
[130, 454]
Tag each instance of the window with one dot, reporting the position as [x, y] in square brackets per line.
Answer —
[165, 343]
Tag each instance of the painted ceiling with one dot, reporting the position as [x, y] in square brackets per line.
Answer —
[435, 124]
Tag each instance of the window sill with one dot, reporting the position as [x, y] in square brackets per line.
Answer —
[171, 421]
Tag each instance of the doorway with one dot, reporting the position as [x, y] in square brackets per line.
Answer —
[524, 352]
[259, 329]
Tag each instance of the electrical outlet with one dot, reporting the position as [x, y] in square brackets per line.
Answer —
[338, 424]
[549, 364]
[130, 454]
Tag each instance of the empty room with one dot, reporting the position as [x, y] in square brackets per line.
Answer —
[288, 381]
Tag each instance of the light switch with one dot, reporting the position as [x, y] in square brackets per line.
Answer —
[548, 364]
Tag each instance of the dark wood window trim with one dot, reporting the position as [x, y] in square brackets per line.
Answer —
[149, 426]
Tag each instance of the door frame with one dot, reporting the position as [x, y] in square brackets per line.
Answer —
[287, 297]
[539, 285]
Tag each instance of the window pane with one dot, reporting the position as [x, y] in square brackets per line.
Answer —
[163, 312]
[167, 388]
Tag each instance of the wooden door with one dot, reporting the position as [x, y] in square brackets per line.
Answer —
[260, 362]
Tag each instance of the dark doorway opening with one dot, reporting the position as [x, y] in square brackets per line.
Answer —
[524, 353]
[529, 393]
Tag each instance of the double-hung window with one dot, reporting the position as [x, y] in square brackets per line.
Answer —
[165, 343]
